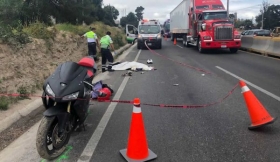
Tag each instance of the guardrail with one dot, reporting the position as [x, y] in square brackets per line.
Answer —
[262, 45]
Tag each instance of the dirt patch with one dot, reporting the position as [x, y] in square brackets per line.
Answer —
[30, 65]
[18, 128]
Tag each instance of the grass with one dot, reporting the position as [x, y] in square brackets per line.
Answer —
[117, 34]
[41, 31]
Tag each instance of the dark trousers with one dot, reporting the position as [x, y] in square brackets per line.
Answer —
[92, 50]
[106, 56]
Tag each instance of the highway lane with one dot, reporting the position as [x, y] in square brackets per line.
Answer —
[215, 133]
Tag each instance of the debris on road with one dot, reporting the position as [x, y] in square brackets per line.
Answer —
[202, 74]
[175, 84]
[149, 61]
[129, 73]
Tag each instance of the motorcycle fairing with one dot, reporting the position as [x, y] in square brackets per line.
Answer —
[67, 79]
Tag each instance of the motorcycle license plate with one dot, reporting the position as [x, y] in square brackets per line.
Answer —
[223, 46]
[149, 44]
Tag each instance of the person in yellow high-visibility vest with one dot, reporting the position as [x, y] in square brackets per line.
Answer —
[92, 40]
[105, 44]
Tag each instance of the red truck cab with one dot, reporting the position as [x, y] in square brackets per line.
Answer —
[210, 28]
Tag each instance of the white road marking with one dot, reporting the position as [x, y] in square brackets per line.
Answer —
[137, 56]
[96, 136]
[180, 46]
[251, 84]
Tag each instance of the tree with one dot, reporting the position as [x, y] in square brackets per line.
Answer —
[132, 19]
[123, 21]
[271, 17]
[112, 11]
[139, 13]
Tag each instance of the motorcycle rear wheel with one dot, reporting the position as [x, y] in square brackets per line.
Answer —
[46, 134]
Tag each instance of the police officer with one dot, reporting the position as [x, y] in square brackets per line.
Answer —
[105, 43]
[92, 40]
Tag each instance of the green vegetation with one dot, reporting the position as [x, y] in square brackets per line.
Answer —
[20, 21]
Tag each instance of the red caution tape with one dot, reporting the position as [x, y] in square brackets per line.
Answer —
[147, 104]
[180, 63]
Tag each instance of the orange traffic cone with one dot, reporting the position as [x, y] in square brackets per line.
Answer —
[175, 41]
[137, 148]
[258, 114]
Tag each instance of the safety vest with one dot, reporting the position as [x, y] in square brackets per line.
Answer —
[90, 36]
[105, 41]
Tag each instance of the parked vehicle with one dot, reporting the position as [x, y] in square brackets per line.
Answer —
[166, 28]
[66, 96]
[276, 32]
[257, 32]
[148, 31]
[204, 24]
[263, 32]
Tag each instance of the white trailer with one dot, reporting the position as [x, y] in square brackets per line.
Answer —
[179, 20]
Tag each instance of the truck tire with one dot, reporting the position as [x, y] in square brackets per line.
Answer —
[185, 40]
[233, 50]
[172, 37]
[200, 50]
[159, 46]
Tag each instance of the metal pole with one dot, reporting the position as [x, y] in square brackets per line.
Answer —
[262, 19]
[227, 8]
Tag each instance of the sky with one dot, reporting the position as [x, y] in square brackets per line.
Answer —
[160, 9]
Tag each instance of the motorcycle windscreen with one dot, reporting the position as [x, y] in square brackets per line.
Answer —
[69, 71]
[67, 79]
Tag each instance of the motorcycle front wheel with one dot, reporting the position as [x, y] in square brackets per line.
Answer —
[49, 145]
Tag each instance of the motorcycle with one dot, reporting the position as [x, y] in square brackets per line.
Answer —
[66, 96]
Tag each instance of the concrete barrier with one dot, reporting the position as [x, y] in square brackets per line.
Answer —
[246, 42]
[263, 45]
[274, 47]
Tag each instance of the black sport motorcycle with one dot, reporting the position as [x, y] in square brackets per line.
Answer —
[66, 96]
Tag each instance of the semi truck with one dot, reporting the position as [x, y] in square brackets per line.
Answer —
[148, 31]
[204, 24]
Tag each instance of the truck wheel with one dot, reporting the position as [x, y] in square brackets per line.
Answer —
[200, 50]
[172, 37]
[159, 46]
[185, 41]
[233, 50]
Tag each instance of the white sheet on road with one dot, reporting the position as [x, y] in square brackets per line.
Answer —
[131, 65]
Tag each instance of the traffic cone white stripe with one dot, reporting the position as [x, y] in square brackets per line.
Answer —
[136, 109]
[244, 89]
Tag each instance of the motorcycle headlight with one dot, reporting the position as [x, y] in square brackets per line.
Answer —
[72, 96]
[50, 91]
[139, 36]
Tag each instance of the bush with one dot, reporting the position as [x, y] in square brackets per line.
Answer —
[40, 31]
[13, 35]
[23, 93]
[4, 103]
[78, 30]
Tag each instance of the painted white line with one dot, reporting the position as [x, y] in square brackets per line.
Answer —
[251, 84]
[137, 56]
[96, 136]
[180, 46]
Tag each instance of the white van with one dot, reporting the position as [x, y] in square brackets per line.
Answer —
[148, 31]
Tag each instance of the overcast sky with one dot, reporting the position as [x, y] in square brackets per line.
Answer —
[160, 9]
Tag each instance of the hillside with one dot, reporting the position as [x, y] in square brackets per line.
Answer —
[24, 68]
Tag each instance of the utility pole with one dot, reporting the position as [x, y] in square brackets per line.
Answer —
[227, 8]
[262, 19]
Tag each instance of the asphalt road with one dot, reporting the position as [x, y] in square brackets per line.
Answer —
[215, 133]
